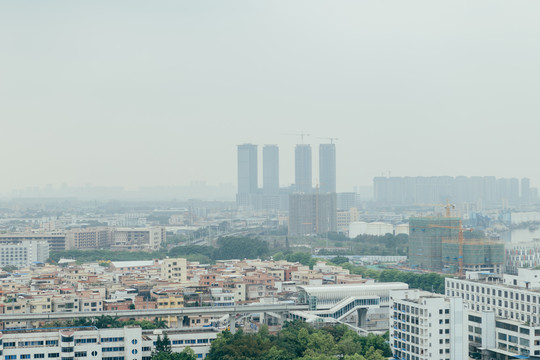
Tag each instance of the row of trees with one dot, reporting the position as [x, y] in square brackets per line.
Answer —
[106, 321]
[228, 247]
[298, 340]
[425, 281]
[84, 256]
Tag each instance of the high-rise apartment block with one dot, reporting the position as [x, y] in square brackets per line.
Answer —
[247, 174]
[483, 191]
[302, 169]
[327, 168]
[427, 326]
[312, 213]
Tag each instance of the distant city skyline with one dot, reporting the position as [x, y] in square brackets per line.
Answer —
[416, 88]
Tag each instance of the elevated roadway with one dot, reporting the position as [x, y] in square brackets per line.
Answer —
[219, 310]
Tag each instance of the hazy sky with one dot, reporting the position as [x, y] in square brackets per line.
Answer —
[138, 93]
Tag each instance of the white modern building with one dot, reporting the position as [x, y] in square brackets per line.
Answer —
[24, 253]
[128, 343]
[504, 313]
[367, 304]
[369, 228]
[426, 326]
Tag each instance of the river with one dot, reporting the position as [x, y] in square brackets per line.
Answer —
[517, 236]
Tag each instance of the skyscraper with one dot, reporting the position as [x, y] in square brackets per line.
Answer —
[302, 168]
[327, 168]
[270, 169]
[247, 174]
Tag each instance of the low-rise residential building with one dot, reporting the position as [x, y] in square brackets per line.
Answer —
[174, 270]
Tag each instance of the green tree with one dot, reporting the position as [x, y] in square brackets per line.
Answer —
[163, 345]
[338, 260]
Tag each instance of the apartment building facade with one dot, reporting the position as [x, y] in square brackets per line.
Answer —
[427, 326]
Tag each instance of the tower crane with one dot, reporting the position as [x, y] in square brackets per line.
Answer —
[332, 139]
[301, 134]
[449, 207]
[461, 240]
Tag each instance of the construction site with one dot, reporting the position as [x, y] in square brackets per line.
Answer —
[478, 255]
[438, 244]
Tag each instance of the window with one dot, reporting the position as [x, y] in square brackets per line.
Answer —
[80, 354]
[11, 357]
[39, 356]
[85, 341]
[51, 342]
[53, 355]
[25, 356]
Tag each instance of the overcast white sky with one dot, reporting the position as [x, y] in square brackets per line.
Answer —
[139, 93]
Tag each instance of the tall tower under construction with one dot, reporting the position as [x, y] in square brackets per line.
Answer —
[302, 169]
[327, 168]
[426, 236]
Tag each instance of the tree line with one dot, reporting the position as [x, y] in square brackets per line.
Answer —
[228, 247]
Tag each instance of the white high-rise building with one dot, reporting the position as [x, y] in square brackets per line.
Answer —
[426, 326]
[24, 253]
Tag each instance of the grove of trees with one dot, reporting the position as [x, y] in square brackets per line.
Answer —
[298, 340]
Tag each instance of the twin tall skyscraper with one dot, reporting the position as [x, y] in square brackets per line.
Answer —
[270, 196]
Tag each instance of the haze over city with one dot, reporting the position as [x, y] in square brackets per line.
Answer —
[161, 93]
